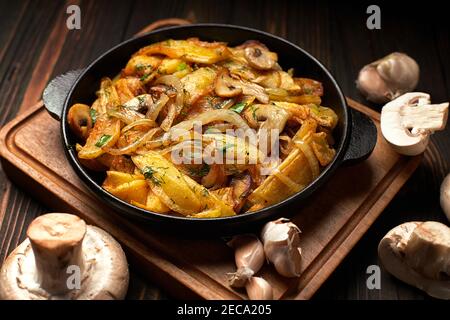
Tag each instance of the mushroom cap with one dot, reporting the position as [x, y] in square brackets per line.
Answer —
[445, 196]
[418, 253]
[105, 273]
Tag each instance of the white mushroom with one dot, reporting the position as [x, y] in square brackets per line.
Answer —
[249, 258]
[418, 253]
[62, 258]
[224, 85]
[388, 78]
[281, 240]
[407, 122]
[445, 196]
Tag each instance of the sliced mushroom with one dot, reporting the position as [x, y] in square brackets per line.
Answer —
[63, 258]
[80, 120]
[259, 57]
[407, 122]
[224, 85]
[418, 253]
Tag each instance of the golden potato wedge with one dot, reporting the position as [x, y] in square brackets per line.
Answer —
[105, 134]
[135, 190]
[192, 50]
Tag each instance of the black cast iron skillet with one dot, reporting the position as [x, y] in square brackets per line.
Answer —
[355, 133]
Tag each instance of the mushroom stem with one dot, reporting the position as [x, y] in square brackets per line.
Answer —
[56, 242]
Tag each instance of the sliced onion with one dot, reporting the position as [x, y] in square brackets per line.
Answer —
[174, 110]
[213, 115]
[140, 122]
[310, 156]
[135, 145]
[155, 108]
[125, 115]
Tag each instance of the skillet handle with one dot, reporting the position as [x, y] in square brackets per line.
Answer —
[161, 24]
[56, 91]
[363, 138]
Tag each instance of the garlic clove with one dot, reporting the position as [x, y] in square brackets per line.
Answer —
[281, 239]
[259, 289]
[249, 258]
[388, 77]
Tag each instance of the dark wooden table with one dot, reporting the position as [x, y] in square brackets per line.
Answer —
[35, 45]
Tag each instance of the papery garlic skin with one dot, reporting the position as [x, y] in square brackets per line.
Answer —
[259, 289]
[281, 240]
[249, 258]
[388, 78]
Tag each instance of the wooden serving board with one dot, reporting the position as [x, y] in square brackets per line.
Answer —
[333, 221]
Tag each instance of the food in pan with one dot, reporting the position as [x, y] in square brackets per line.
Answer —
[204, 130]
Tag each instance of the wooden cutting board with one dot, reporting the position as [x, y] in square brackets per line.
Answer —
[332, 222]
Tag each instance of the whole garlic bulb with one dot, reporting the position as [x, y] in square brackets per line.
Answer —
[388, 78]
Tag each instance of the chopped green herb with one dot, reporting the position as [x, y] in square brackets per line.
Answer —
[254, 109]
[103, 140]
[308, 90]
[205, 192]
[140, 66]
[93, 114]
[149, 174]
[238, 107]
[182, 66]
[145, 76]
[141, 100]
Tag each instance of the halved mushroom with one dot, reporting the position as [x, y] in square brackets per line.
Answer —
[407, 122]
[80, 120]
[224, 86]
[418, 253]
[63, 258]
[259, 57]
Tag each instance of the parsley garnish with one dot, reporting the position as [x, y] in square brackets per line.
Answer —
[149, 174]
[181, 66]
[238, 107]
[93, 114]
[103, 140]
[145, 76]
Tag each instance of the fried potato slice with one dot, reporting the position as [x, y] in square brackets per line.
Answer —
[107, 97]
[128, 88]
[105, 134]
[168, 183]
[197, 84]
[117, 178]
[192, 50]
[135, 191]
[153, 203]
[142, 66]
